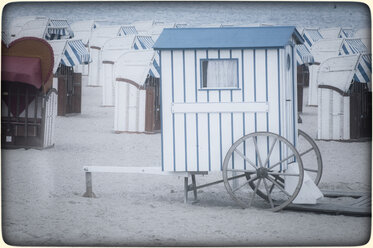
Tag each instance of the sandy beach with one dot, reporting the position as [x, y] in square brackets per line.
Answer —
[43, 204]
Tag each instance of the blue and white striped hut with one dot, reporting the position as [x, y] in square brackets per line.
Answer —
[218, 84]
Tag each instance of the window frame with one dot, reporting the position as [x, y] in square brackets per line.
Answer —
[237, 87]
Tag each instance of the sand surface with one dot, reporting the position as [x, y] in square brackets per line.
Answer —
[42, 192]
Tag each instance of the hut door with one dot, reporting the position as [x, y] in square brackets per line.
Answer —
[152, 118]
[360, 111]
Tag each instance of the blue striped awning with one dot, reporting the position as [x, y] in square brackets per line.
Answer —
[155, 69]
[363, 73]
[128, 30]
[75, 54]
[143, 42]
[346, 33]
[303, 55]
[58, 23]
[353, 46]
[311, 36]
[56, 31]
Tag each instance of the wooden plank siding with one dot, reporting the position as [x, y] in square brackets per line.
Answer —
[198, 140]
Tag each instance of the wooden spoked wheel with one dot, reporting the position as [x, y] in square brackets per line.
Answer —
[311, 156]
[311, 160]
[259, 164]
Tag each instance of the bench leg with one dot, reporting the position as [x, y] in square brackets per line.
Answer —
[186, 189]
[88, 184]
[194, 186]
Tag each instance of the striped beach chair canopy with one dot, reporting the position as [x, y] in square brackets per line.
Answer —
[303, 55]
[310, 36]
[127, 30]
[346, 33]
[353, 46]
[364, 67]
[59, 28]
[69, 53]
[363, 72]
[143, 42]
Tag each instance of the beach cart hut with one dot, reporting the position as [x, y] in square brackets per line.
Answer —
[137, 99]
[99, 37]
[344, 111]
[110, 52]
[226, 93]
[219, 84]
[67, 55]
[29, 103]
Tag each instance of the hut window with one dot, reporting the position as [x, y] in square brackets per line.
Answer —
[219, 73]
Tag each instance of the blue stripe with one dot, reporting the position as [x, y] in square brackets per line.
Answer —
[220, 137]
[136, 47]
[185, 126]
[67, 55]
[76, 53]
[279, 102]
[243, 100]
[208, 123]
[365, 76]
[173, 115]
[195, 75]
[255, 114]
[160, 111]
[232, 127]
[345, 49]
[267, 117]
[293, 86]
[307, 40]
[142, 45]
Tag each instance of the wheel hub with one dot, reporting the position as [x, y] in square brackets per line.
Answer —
[261, 172]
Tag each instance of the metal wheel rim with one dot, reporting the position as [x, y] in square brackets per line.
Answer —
[316, 149]
[295, 154]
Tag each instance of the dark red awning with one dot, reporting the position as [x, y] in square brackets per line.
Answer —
[21, 69]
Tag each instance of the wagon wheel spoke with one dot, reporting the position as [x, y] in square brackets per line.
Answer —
[270, 152]
[268, 194]
[283, 174]
[257, 151]
[278, 186]
[305, 152]
[245, 183]
[255, 190]
[281, 161]
[311, 170]
[245, 158]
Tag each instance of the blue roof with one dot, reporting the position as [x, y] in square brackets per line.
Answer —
[227, 37]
